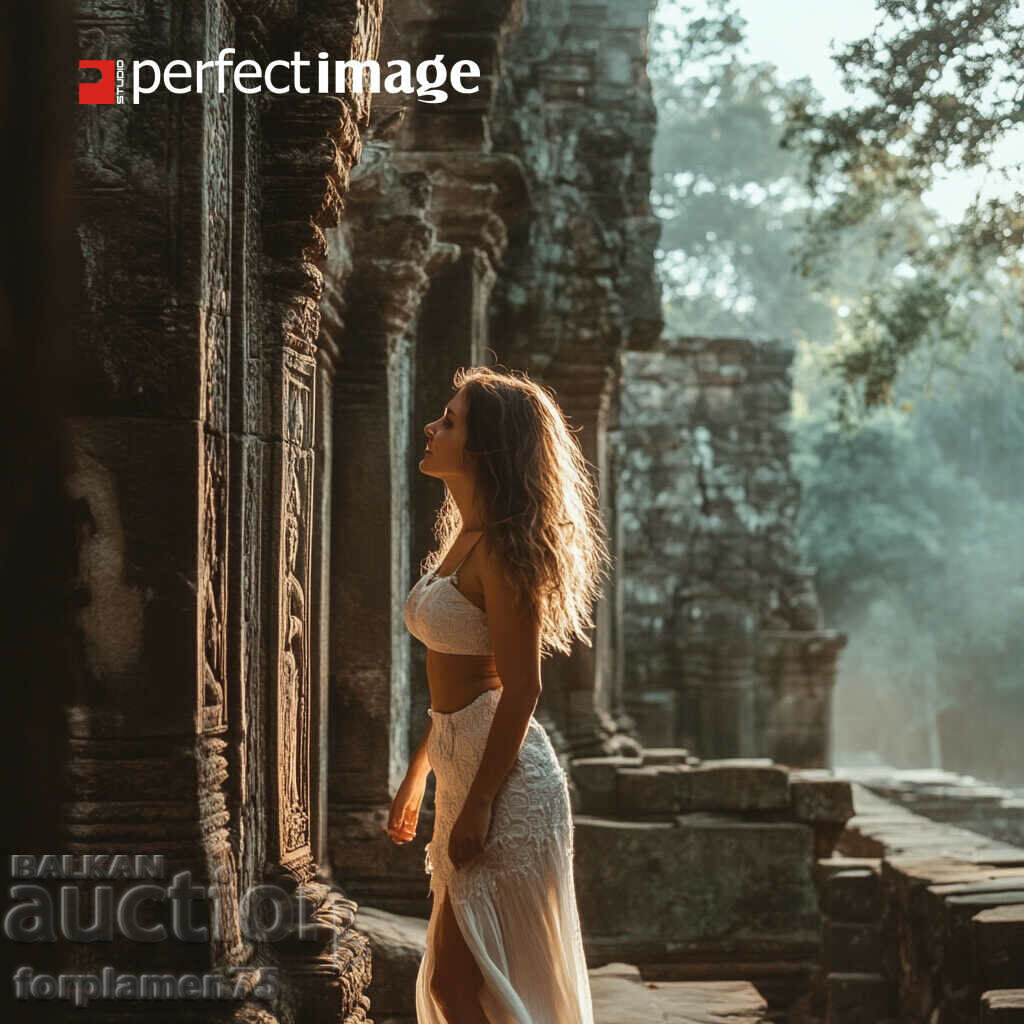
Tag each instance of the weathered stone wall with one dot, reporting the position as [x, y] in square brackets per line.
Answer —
[721, 623]
[196, 476]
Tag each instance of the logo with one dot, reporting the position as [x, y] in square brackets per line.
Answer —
[427, 79]
[109, 88]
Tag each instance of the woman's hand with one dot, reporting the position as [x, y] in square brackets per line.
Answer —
[405, 809]
[469, 833]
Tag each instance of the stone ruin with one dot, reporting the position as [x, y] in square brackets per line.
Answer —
[267, 295]
[724, 649]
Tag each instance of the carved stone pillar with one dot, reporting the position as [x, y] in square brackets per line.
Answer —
[611, 630]
[797, 674]
[310, 144]
[385, 251]
[578, 285]
[471, 192]
[720, 650]
[581, 682]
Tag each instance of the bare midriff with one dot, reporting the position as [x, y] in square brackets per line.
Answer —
[456, 680]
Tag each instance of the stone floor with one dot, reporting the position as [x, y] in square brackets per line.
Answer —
[619, 993]
[944, 796]
[621, 996]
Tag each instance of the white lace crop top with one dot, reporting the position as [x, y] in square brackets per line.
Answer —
[443, 618]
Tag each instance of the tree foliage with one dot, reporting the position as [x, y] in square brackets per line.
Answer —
[943, 82]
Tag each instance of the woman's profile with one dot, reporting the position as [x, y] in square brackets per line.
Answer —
[514, 577]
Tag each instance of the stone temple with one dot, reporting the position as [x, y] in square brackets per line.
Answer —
[230, 316]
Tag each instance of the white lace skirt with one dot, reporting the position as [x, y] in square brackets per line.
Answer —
[515, 904]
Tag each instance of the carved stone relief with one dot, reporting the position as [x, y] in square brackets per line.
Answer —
[294, 692]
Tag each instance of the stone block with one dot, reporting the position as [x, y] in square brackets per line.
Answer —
[619, 995]
[646, 791]
[814, 800]
[703, 884]
[665, 755]
[734, 785]
[851, 948]
[955, 930]
[594, 778]
[826, 867]
[853, 895]
[826, 837]
[857, 998]
[1003, 1006]
[998, 941]
[398, 944]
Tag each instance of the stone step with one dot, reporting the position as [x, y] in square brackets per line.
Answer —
[858, 999]
[957, 935]
[826, 867]
[1003, 1006]
[665, 755]
[880, 828]
[621, 996]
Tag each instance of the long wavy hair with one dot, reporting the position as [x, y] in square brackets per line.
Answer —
[540, 505]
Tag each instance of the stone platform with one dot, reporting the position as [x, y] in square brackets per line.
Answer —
[704, 870]
[949, 797]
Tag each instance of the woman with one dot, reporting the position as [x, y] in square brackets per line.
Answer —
[514, 577]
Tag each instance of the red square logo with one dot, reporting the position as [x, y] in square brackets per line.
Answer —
[101, 91]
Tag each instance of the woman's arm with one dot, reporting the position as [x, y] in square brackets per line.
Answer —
[516, 641]
[419, 766]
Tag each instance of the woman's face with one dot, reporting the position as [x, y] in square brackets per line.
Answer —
[446, 440]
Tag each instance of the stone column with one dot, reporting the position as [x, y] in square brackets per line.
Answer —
[310, 145]
[797, 675]
[719, 649]
[625, 740]
[195, 716]
[578, 284]
[581, 681]
[385, 252]
[469, 190]
[474, 190]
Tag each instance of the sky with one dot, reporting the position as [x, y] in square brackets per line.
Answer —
[798, 36]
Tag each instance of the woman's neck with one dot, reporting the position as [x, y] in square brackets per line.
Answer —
[471, 515]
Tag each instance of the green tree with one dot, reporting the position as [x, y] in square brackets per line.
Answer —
[913, 520]
[943, 82]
